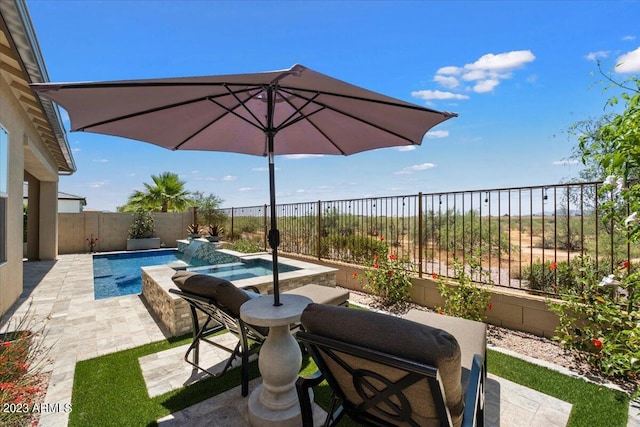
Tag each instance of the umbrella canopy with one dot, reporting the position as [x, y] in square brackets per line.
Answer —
[293, 111]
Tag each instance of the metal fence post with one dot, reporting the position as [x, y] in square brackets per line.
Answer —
[319, 230]
[420, 235]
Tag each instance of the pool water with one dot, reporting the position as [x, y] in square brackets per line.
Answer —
[243, 270]
[119, 274]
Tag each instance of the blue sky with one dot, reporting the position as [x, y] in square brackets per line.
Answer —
[518, 73]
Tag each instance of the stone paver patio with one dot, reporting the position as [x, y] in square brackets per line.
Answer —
[81, 328]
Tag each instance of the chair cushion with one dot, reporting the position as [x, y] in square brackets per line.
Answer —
[471, 335]
[225, 293]
[394, 336]
[321, 294]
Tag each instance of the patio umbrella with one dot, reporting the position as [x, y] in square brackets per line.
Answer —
[293, 111]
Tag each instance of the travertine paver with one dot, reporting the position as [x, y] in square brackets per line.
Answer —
[167, 370]
[79, 328]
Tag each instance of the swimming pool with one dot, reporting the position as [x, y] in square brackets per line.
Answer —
[119, 274]
[244, 269]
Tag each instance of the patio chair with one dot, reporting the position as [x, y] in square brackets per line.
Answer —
[219, 301]
[385, 370]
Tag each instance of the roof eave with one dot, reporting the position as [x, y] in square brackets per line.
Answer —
[22, 35]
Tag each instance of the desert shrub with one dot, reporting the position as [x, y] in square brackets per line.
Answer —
[562, 277]
[456, 232]
[465, 298]
[245, 246]
[247, 224]
[357, 249]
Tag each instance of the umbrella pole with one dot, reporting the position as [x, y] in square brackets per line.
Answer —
[274, 233]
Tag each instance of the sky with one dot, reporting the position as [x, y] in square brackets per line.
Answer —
[518, 73]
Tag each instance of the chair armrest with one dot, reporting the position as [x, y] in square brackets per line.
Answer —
[474, 400]
[190, 295]
[303, 384]
[251, 288]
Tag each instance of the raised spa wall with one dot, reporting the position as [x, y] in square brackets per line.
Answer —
[174, 313]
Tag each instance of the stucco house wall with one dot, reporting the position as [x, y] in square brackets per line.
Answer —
[38, 151]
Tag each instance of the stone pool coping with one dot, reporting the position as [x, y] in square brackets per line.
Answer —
[173, 313]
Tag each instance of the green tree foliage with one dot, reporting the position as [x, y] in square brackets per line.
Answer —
[166, 194]
[614, 147]
[208, 208]
[602, 319]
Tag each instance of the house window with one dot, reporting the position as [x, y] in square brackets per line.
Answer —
[4, 178]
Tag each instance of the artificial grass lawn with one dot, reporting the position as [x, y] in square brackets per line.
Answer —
[593, 404]
[110, 391]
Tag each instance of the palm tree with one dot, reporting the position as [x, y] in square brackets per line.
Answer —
[166, 194]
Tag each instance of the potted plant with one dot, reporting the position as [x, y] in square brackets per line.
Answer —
[194, 231]
[215, 231]
[141, 232]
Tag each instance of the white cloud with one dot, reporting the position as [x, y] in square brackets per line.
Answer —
[629, 38]
[402, 172]
[75, 150]
[487, 72]
[437, 94]
[100, 160]
[502, 61]
[301, 156]
[420, 167]
[485, 86]
[449, 82]
[564, 162]
[437, 134]
[245, 189]
[475, 75]
[594, 56]
[98, 184]
[229, 178]
[629, 62]
[407, 148]
[450, 70]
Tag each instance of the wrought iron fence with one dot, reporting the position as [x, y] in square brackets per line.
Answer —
[526, 237]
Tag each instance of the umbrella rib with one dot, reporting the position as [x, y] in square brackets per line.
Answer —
[153, 110]
[291, 89]
[227, 110]
[298, 111]
[243, 104]
[355, 117]
[231, 111]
